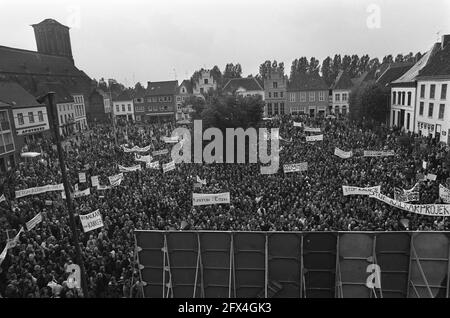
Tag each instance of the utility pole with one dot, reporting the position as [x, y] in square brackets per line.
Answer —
[113, 117]
[51, 109]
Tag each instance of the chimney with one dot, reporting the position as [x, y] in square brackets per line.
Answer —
[445, 40]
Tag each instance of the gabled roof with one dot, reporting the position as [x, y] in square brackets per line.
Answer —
[248, 83]
[126, 95]
[14, 94]
[187, 84]
[438, 65]
[62, 94]
[342, 81]
[49, 22]
[305, 82]
[2, 104]
[162, 88]
[393, 72]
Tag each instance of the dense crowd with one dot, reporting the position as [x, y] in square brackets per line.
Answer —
[150, 199]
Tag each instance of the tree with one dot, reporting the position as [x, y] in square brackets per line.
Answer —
[336, 66]
[327, 71]
[197, 104]
[346, 61]
[388, 59]
[264, 69]
[232, 71]
[399, 58]
[299, 66]
[373, 64]
[418, 56]
[363, 64]
[313, 67]
[138, 88]
[369, 101]
[216, 74]
[354, 65]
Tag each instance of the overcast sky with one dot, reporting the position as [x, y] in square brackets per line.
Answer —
[137, 40]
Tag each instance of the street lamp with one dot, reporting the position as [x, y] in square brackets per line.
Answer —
[54, 123]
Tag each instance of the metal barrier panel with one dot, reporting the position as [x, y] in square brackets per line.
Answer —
[355, 254]
[150, 255]
[183, 263]
[392, 255]
[284, 262]
[429, 268]
[319, 259]
[216, 256]
[249, 263]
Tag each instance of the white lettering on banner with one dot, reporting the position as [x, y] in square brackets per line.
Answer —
[82, 177]
[130, 169]
[91, 221]
[295, 167]
[94, 181]
[431, 177]
[201, 181]
[168, 166]
[298, 124]
[349, 190]
[444, 193]
[314, 138]
[153, 165]
[100, 187]
[77, 194]
[160, 152]
[423, 209]
[343, 154]
[39, 190]
[34, 221]
[311, 129]
[136, 149]
[140, 158]
[403, 196]
[170, 140]
[369, 153]
[116, 179]
[210, 198]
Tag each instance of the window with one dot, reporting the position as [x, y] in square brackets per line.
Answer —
[421, 109]
[178, 99]
[269, 109]
[303, 96]
[30, 117]
[337, 97]
[129, 107]
[205, 81]
[165, 98]
[441, 111]
[311, 96]
[408, 120]
[270, 95]
[40, 116]
[444, 91]
[292, 97]
[123, 108]
[275, 94]
[117, 108]
[394, 95]
[393, 118]
[169, 98]
[403, 98]
[409, 98]
[430, 110]
[399, 98]
[321, 96]
[275, 108]
[344, 97]
[336, 109]
[275, 84]
[422, 91]
[183, 90]
[282, 108]
[432, 90]
[160, 99]
[281, 94]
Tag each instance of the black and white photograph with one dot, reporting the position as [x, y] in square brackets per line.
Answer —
[224, 155]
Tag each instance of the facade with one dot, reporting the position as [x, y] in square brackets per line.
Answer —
[158, 102]
[7, 138]
[340, 94]
[244, 87]
[123, 108]
[100, 107]
[30, 118]
[275, 86]
[80, 113]
[308, 94]
[184, 92]
[204, 83]
[432, 96]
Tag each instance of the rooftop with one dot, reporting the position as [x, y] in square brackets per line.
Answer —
[305, 82]
[248, 83]
[162, 88]
[15, 95]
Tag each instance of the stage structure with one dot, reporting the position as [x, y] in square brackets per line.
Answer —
[215, 264]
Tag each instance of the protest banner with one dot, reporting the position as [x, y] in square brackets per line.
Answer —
[116, 179]
[34, 221]
[94, 181]
[77, 194]
[152, 165]
[431, 177]
[444, 193]
[130, 169]
[201, 181]
[140, 158]
[349, 190]
[210, 198]
[82, 177]
[160, 152]
[314, 138]
[101, 188]
[48, 202]
[39, 190]
[136, 149]
[170, 140]
[13, 242]
[343, 154]
[402, 196]
[370, 153]
[2, 198]
[168, 166]
[298, 124]
[295, 167]
[91, 221]
[311, 129]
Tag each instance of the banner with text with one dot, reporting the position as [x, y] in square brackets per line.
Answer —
[140, 158]
[295, 167]
[311, 129]
[82, 177]
[34, 221]
[91, 221]
[444, 193]
[343, 154]
[136, 149]
[160, 152]
[130, 169]
[314, 138]
[168, 166]
[349, 190]
[94, 181]
[402, 196]
[298, 124]
[213, 198]
[370, 153]
[116, 179]
[39, 190]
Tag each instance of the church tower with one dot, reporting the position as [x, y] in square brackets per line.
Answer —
[53, 38]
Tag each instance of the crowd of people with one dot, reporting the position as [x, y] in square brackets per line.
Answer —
[150, 199]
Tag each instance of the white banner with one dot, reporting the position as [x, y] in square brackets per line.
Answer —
[369, 153]
[201, 181]
[153, 165]
[3, 254]
[170, 140]
[213, 198]
[298, 124]
[2, 198]
[91, 221]
[94, 181]
[349, 190]
[413, 189]
[403, 196]
[423, 209]
[39, 190]
[100, 187]
[140, 158]
[424, 164]
[431, 177]
[160, 152]
[343, 154]
[13, 242]
[444, 193]
[295, 167]
[77, 194]
[314, 138]
[82, 177]
[168, 166]
[311, 129]
[116, 179]
[34, 221]
[130, 169]
[136, 149]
